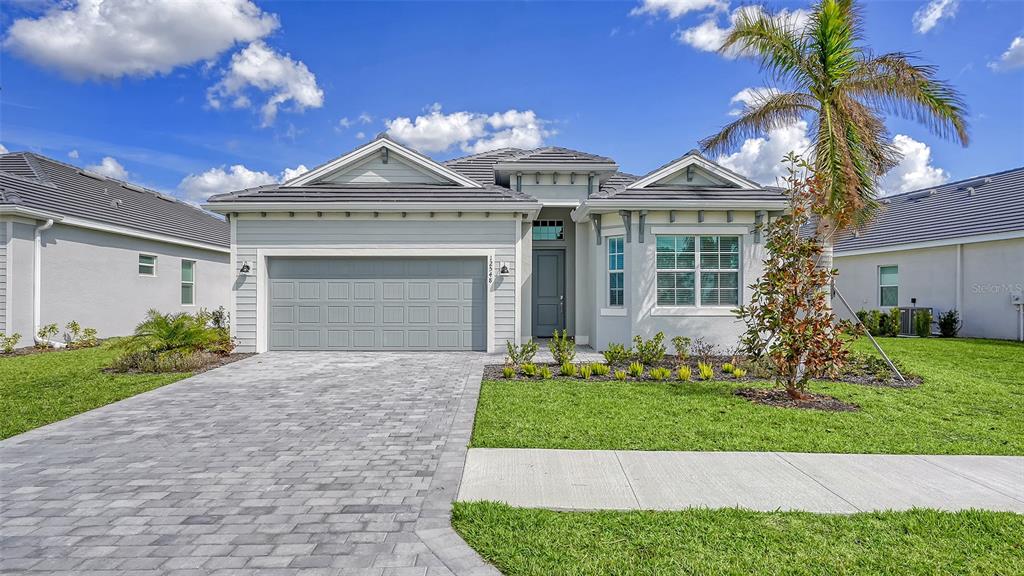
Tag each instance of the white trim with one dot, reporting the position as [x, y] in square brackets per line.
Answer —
[581, 339]
[608, 273]
[156, 262]
[234, 275]
[697, 271]
[373, 146]
[181, 283]
[497, 207]
[558, 203]
[704, 311]
[1012, 235]
[703, 163]
[614, 311]
[7, 209]
[611, 205]
[700, 229]
[517, 316]
[263, 277]
[879, 285]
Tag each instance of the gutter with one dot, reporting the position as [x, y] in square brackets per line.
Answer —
[607, 206]
[37, 285]
[314, 206]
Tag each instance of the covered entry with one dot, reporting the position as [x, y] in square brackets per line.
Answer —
[371, 303]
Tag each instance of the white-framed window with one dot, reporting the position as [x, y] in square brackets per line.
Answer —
[888, 286]
[616, 276]
[548, 230]
[147, 265]
[698, 270]
[188, 282]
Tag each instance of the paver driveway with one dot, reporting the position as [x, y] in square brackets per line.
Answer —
[284, 463]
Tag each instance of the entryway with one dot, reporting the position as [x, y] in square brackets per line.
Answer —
[548, 292]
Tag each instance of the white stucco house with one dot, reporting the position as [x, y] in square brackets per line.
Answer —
[956, 246]
[384, 248]
[75, 245]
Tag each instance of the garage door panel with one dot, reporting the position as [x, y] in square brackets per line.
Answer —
[339, 339]
[419, 314]
[393, 291]
[338, 315]
[363, 339]
[282, 339]
[339, 290]
[309, 338]
[419, 291]
[394, 314]
[309, 314]
[309, 290]
[364, 290]
[282, 314]
[284, 290]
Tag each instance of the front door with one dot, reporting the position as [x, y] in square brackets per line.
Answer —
[548, 292]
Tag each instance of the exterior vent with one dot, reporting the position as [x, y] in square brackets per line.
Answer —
[134, 187]
[921, 195]
[93, 175]
[970, 185]
[116, 203]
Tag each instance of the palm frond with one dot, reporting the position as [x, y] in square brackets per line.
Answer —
[768, 111]
[775, 38]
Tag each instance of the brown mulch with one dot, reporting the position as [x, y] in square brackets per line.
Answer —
[30, 350]
[781, 399]
[216, 361]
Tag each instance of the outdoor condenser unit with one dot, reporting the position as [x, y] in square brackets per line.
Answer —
[907, 317]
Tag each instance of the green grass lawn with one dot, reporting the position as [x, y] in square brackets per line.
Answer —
[972, 402]
[39, 389]
[523, 541]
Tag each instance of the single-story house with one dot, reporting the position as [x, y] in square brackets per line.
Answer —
[956, 246]
[384, 248]
[75, 245]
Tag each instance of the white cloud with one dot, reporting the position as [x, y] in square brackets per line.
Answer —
[749, 97]
[1012, 58]
[676, 8]
[760, 159]
[708, 36]
[3, 149]
[365, 118]
[260, 67]
[344, 123]
[360, 135]
[914, 170]
[198, 187]
[109, 167]
[928, 16]
[114, 38]
[473, 132]
[73, 154]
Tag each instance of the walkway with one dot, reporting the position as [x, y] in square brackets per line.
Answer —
[843, 483]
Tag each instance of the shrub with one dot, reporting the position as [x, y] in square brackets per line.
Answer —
[73, 332]
[682, 346]
[7, 343]
[705, 370]
[88, 339]
[650, 351]
[563, 348]
[150, 361]
[616, 354]
[508, 372]
[703, 350]
[600, 369]
[77, 337]
[586, 371]
[568, 369]
[923, 323]
[739, 373]
[529, 369]
[949, 323]
[179, 332]
[889, 323]
[46, 333]
[727, 367]
[545, 373]
[659, 374]
[522, 354]
[684, 373]
[636, 369]
[872, 320]
[620, 375]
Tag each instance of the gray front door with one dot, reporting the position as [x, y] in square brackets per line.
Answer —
[377, 304]
[548, 292]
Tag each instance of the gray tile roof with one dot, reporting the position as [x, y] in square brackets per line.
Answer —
[363, 193]
[557, 155]
[480, 167]
[944, 212]
[37, 182]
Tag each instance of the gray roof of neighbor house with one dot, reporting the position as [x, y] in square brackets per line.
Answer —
[36, 182]
[987, 204]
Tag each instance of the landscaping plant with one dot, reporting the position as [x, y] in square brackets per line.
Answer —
[600, 369]
[923, 323]
[45, 334]
[620, 375]
[522, 354]
[727, 368]
[616, 355]
[703, 350]
[545, 373]
[77, 337]
[166, 342]
[739, 372]
[529, 369]
[871, 320]
[889, 323]
[7, 343]
[650, 351]
[586, 371]
[563, 348]
[508, 371]
[706, 371]
[682, 346]
[659, 374]
[684, 373]
[568, 369]
[636, 369]
[949, 323]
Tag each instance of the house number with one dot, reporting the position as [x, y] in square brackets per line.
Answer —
[490, 270]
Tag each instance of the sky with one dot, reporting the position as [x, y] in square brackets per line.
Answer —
[194, 97]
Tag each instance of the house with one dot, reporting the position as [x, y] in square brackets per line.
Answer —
[75, 245]
[384, 248]
[956, 246]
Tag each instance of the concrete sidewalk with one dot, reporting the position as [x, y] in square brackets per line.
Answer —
[840, 483]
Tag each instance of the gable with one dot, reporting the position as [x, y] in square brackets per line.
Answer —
[378, 170]
[692, 175]
[693, 170]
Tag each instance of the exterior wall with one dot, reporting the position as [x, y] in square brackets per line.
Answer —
[6, 227]
[990, 271]
[92, 277]
[335, 231]
[548, 190]
[19, 281]
[640, 313]
[374, 171]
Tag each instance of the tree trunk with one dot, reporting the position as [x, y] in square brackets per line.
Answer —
[826, 238]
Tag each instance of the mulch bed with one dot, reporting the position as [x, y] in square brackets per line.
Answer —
[215, 362]
[781, 399]
[30, 350]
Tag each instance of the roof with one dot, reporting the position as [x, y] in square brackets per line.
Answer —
[32, 181]
[481, 167]
[945, 212]
[383, 194]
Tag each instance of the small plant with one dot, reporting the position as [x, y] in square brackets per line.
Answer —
[889, 323]
[636, 369]
[649, 351]
[7, 343]
[739, 373]
[45, 334]
[89, 338]
[563, 348]
[682, 346]
[659, 374]
[923, 323]
[508, 372]
[521, 354]
[703, 350]
[684, 373]
[586, 371]
[529, 369]
[706, 371]
[620, 375]
[600, 369]
[616, 354]
[727, 367]
[568, 369]
[74, 332]
[545, 373]
[150, 361]
[949, 323]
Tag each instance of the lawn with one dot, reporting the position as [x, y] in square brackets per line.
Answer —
[971, 402]
[38, 389]
[523, 541]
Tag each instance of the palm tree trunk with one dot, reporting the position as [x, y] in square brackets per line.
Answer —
[826, 238]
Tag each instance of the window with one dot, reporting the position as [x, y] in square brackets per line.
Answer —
[188, 282]
[616, 287]
[698, 270]
[889, 285]
[547, 229]
[147, 265]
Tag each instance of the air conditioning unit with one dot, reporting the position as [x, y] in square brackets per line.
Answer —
[908, 317]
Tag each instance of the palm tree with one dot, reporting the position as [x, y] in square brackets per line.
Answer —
[826, 76]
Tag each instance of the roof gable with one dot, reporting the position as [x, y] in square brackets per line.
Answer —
[693, 170]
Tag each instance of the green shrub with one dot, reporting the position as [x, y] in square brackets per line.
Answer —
[529, 369]
[77, 337]
[179, 332]
[659, 374]
[649, 351]
[682, 346]
[949, 323]
[705, 370]
[871, 321]
[586, 371]
[703, 350]
[889, 323]
[150, 361]
[600, 369]
[88, 339]
[7, 343]
[46, 333]
[545, 373]
[563, 348]
[616, 354]
[739, 373]
[684, 373]
[508, 371]
[727, 367]
[636, 369]
[521, 354]
[568, 369]
[923, 323]
[620, 375]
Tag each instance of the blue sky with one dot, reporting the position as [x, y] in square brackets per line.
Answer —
[186, 110]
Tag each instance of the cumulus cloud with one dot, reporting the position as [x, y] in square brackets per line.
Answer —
[360, 135]
[473, 132]
[3, 149]
[1012, 58]
[259, 67]
[98, 39]
[749, 97]
[928, 16]
[760, 159]
[73, 154]
[676, 8]
[708, 36]
[110, 168]
[198, 187]
[914, 170]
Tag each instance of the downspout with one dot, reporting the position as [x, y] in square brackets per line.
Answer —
[37, 285]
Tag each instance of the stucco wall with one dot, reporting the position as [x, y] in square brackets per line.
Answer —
[4, 233]
[19, 281]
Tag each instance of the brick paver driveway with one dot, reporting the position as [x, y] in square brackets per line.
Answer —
[284, 463]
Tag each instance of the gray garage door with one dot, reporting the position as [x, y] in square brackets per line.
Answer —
[377, 304]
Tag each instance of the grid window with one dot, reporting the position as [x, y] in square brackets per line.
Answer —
[616, 279]
[888, 285]
[698, 270]
[547, 230]
[147, 265]
[188, 282]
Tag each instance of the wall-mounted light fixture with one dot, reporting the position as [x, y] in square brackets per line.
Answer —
[503, 269]
[245, 269]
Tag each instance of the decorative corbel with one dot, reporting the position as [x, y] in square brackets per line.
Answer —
[595, 221]
[640, 229]
[758, 220]
[728, 215]
[672, 216]
[700, 216]
[627, 221]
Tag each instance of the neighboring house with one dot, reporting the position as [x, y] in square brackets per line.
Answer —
[79, 246]
[956, 246]
[384, 248]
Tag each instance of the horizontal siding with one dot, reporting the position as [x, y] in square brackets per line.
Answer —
[375, 171]
[3, 276]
